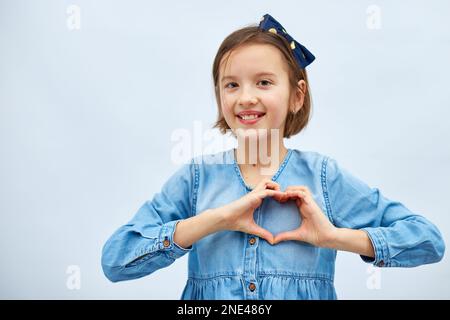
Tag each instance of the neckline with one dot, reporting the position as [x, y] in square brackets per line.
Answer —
[274, 177]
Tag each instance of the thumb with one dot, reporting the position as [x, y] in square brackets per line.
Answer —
[287, 235]
[262, 233]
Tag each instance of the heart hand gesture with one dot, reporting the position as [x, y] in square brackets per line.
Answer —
[239, 213]
[315, 227]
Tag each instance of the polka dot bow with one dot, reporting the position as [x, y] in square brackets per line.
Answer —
[301, 54]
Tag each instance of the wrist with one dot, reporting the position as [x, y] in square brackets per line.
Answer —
[332, 239]
[220, 218]
[351, 240]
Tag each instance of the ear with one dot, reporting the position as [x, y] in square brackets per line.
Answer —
[299, 96]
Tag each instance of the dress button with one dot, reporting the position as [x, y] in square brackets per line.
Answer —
[252, 240]
[252, 287]
[381, 263]
[166, 243]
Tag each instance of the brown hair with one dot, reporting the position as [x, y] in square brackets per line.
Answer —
[253, 35]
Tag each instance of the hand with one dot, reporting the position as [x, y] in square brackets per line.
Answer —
[239, 213]
[315, 228]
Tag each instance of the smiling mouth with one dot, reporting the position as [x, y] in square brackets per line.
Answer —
[249, 119]
[250, 116]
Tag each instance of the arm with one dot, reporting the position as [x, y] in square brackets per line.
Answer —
[363, 221]
[400, 237]
[356, 241]
[145, 244]
[191, 230]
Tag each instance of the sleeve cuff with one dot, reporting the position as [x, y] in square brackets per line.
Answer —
[380, 248]
[166, 243]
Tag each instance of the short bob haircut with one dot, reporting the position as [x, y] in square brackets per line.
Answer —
[253, 35]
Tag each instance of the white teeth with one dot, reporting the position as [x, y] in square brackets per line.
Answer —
[249, 116]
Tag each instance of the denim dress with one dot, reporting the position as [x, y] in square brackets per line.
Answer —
[236, 265]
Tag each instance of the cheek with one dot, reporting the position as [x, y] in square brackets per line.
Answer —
[277, 108]
[276, 119]
[227, 107]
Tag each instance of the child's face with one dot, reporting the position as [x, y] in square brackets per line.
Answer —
[244, 89]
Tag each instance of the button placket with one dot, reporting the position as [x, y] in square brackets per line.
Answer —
[250, 264]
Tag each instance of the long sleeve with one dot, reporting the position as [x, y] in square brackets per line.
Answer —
[145, 244]
[400, 237]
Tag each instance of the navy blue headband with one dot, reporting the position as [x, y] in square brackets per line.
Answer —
[301, 54]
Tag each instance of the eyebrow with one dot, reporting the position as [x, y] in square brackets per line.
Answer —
[259, 74]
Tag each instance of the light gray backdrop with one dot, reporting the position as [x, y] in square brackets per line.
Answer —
[91, 91]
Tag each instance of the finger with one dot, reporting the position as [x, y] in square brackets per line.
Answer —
[297, 196]
[267, 184]
[305, 189]
[262, 233]
[296, 188]
[292, 191]
[300, 196]
[279, 195]
[257, 197]
[303, 195]
[286, 236]
[272, 185]
[262, 184]
[282, 197]
[270, 193]
[292, 194]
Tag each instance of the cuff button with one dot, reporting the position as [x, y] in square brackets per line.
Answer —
[166, 243]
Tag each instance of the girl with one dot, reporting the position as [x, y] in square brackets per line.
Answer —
[265, 227]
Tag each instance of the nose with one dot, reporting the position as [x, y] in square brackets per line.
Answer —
[247, 98]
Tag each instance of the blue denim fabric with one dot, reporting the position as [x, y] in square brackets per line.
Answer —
[226, 265]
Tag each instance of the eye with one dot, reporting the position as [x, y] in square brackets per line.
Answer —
[267, 82]
[227, 86]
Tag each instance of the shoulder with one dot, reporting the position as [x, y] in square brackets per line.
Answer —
[213, 164]
[312, 160]
[325, 162]
[321, 165]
